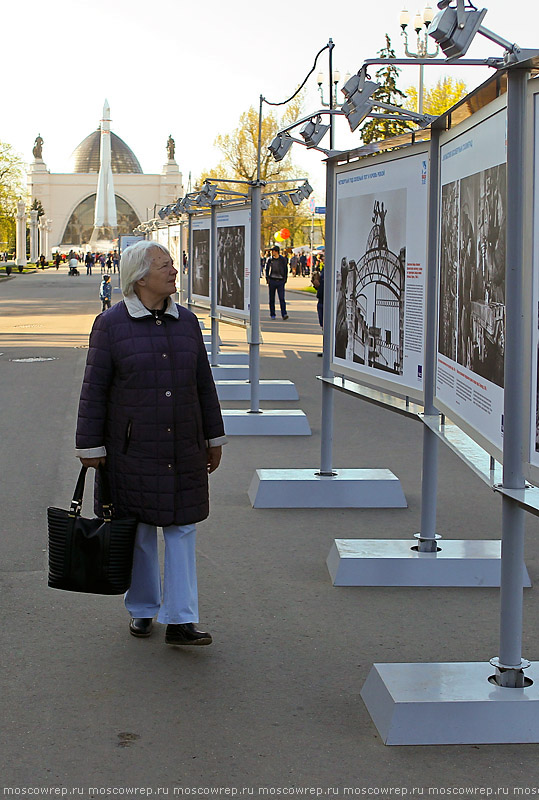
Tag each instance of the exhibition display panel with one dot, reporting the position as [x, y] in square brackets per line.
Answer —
[380, 270]
[471, 275]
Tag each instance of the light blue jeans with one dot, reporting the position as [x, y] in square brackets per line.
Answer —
[177, 601]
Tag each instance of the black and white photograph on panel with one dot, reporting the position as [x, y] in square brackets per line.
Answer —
[370, 281]
[201, 262]
[449, 261]
[481, 273]
[231, 266]
[537, 404]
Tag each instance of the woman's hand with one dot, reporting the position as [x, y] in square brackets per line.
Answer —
[214, 458]
[93, 462]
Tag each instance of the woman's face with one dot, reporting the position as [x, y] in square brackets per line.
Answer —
[160, 280]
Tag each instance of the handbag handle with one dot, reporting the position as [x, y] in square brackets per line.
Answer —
[76, 503]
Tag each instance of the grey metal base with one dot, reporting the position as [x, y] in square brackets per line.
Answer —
[228, 372]
[393, 562]
[305, 488]
[450, 704]
[271, 422]
[268, 390]
[230, 358]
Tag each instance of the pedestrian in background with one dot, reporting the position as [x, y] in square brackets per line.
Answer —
[105, 293]
[276, 275]
[149, 414]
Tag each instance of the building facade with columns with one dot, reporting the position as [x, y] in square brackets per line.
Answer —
[68, 199]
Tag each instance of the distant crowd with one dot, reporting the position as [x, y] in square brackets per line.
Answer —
[298, 264]
[105, 262]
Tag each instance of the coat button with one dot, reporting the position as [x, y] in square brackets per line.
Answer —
[168, 394]
[169, 430]
[158, 322]
[170, 466]
[165, 355]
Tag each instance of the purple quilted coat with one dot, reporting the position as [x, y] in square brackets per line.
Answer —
[149, 399]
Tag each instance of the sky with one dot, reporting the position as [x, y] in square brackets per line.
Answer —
[190, 69]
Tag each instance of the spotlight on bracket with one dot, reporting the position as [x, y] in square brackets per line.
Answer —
[297, 197]
[280, 146]
[207, 194]
[283, 198]
[265, 203]
[455, 28]
[306, 189]
[358, 92]
[314, 131]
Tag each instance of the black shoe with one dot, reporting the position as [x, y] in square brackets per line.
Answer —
[285, 316]
[141, 626]
[186, 634]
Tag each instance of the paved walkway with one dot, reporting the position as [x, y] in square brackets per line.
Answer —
[275, 701]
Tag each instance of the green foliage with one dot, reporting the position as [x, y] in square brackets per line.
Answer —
[440, 98]
[376, 129]
[37, 206]
[11, 189]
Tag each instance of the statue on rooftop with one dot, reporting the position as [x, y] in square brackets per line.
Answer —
[171, 146]
[38, 147]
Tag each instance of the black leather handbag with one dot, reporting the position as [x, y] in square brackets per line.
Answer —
[90, 555]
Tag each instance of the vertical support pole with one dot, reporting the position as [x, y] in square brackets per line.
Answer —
[181, 263]
[326, 448]
[331, 103]
[190, 261]
[429, 479]
[254, 299]
[509, 665]
[213, 287]
[421, 89]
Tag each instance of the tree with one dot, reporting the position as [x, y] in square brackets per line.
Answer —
[440, 98]
[37, 206]
[240, 149]
[11, 190]
[376, 129]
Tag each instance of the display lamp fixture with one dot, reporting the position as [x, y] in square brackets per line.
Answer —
[358, 92]
[314, 131]
[207, 194]
[297, 197]
[280, 146]
[265, 203]
[454, 28]
[306, 189]
[162, 213]
[283, 198]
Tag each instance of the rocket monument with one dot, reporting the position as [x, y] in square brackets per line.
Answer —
[105, 220]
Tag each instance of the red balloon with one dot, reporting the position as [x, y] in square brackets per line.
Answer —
[285, 233]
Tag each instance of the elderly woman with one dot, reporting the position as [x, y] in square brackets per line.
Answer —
[149, 413]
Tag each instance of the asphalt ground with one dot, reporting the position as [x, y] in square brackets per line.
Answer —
[274, 702]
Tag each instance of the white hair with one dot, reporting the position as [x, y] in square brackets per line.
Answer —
[135, 264]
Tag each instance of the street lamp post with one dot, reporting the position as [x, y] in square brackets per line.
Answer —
[334, 78]
[421, 28]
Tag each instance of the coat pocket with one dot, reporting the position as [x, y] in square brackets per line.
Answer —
[127, 437]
